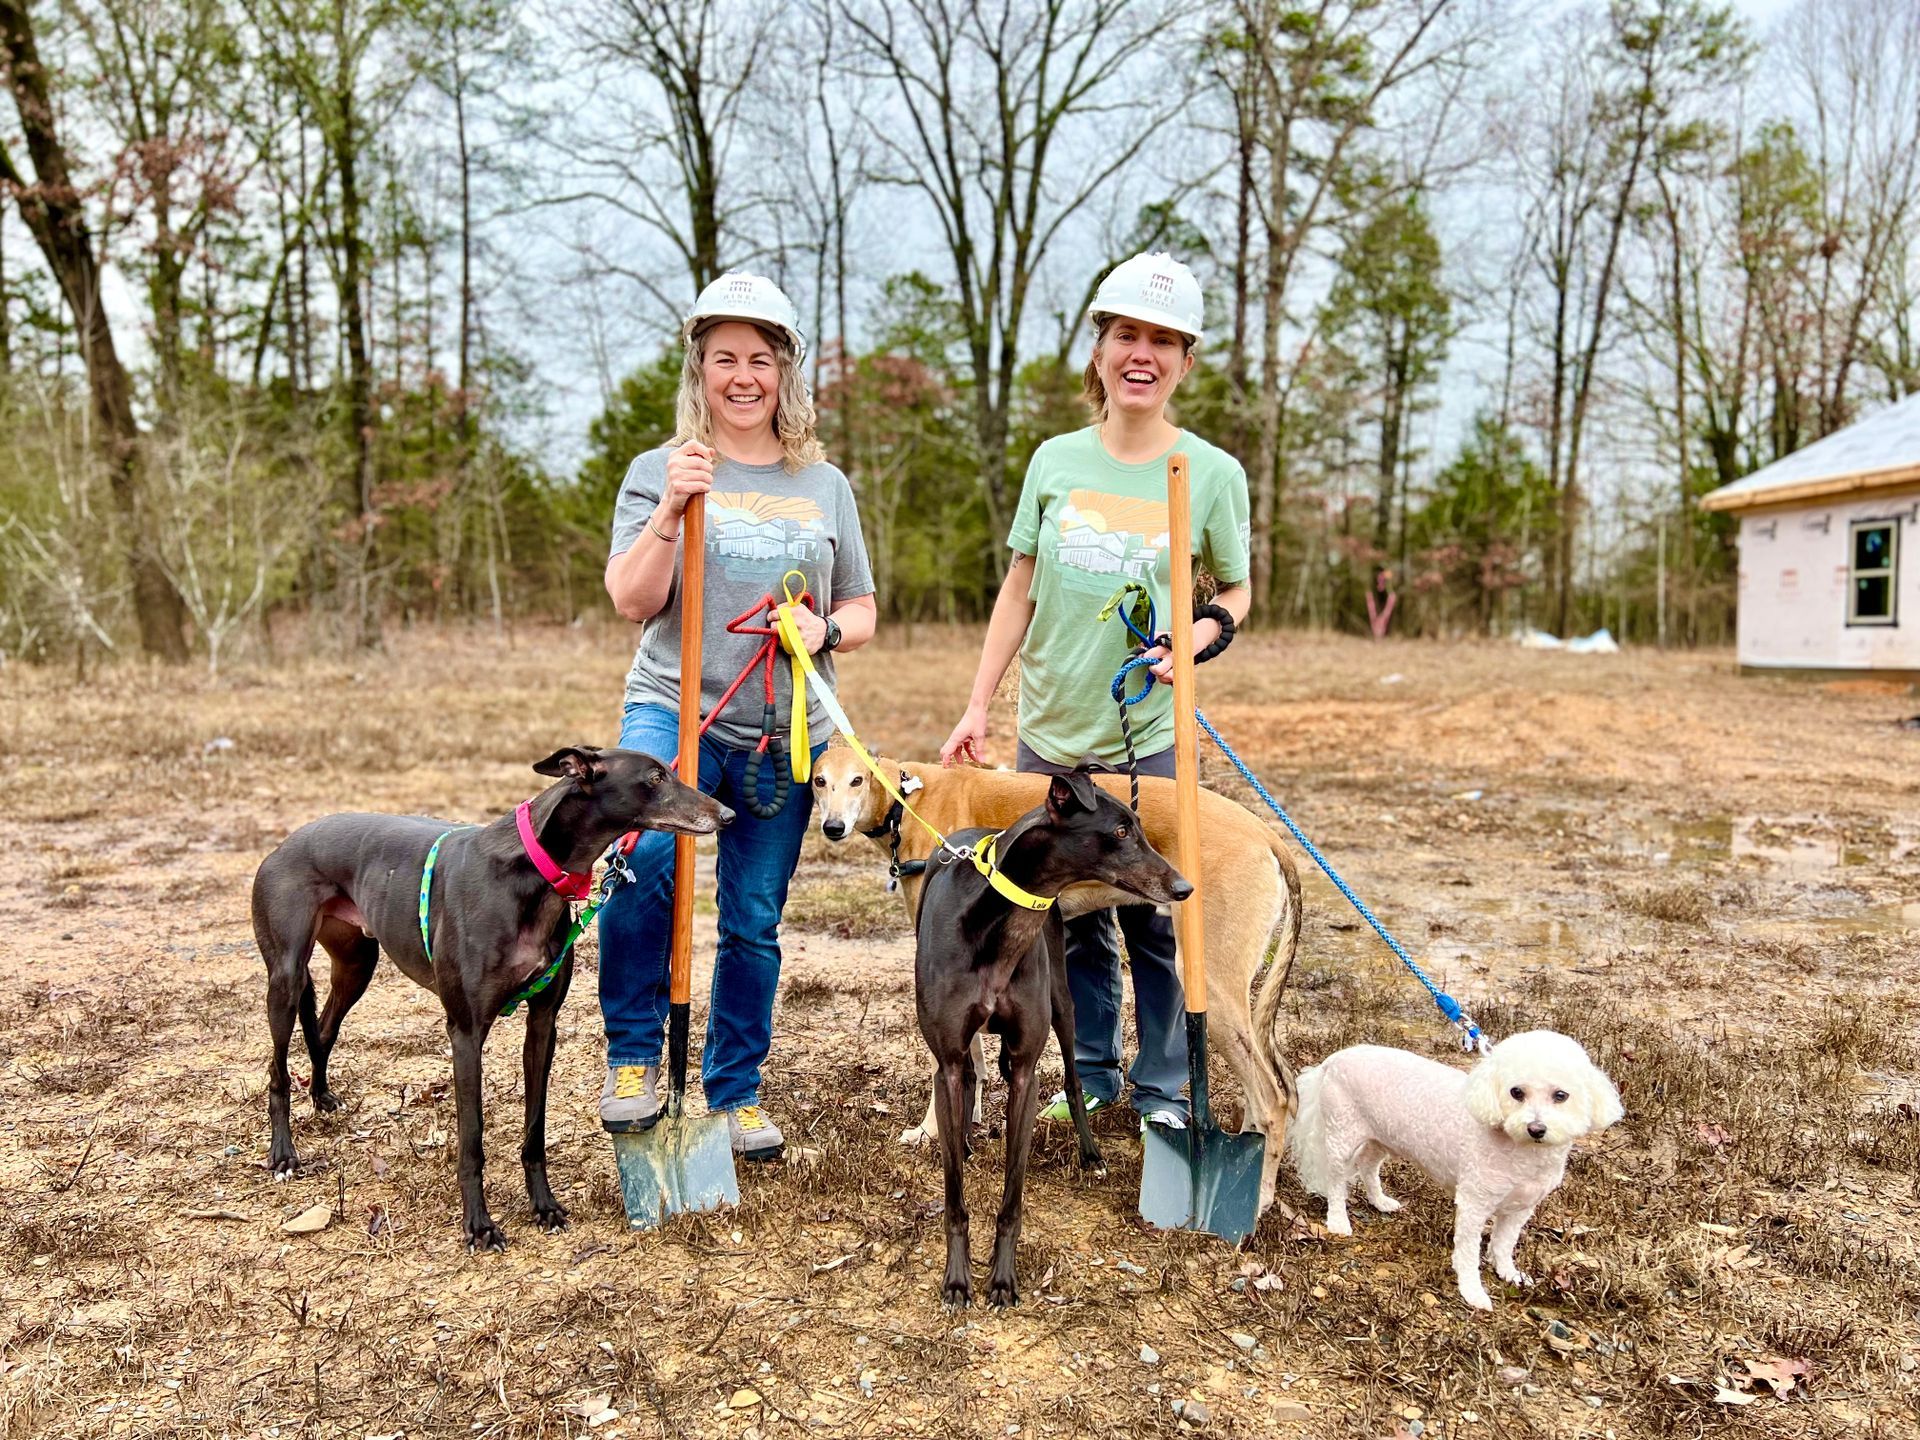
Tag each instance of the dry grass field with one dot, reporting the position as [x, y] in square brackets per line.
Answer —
[1709, 880]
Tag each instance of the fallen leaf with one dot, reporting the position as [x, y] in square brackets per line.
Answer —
[380, 1168]
[376, 1220]
[310, 1221]
[744, 1397]
[1713, 1136]
[1707, 1390]
[1713, 1229]
[1776, 1374]
[1564, 1339]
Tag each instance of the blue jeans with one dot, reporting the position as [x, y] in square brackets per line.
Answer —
[1159, 1071]
[757, 859]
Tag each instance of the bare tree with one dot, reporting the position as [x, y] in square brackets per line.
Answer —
[704, 61]
[53, 208]
[1856, 64]
[1323, 72]
[991, 99]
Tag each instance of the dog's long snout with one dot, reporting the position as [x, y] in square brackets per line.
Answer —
[724, 818]
[1537, 1130]
[1181, 887]
[834, 829]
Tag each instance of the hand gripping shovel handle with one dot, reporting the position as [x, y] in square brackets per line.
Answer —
[693, 564]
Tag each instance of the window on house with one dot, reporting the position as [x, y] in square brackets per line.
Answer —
[1870, 593]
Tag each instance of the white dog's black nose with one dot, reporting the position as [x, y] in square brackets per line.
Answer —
[1537, 1130]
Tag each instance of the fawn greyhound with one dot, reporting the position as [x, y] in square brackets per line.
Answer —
[496, 914]
[1249, 890]
[983, 963]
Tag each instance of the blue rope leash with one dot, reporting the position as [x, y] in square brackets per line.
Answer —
[1471, 1038]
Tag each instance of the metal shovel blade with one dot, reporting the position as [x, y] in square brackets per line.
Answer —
[684, 1163]
[1202, 1178]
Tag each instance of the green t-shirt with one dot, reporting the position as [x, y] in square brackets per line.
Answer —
[1092, 525]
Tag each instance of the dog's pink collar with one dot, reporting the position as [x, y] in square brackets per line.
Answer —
[574, 887]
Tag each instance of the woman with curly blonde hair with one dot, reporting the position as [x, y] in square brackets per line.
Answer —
[745, 439]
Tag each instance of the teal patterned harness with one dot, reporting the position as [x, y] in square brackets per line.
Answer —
[616, 874]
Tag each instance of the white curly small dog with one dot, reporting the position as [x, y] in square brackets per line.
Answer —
[1496, 1135]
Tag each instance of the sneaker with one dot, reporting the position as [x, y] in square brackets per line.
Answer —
[1059, 1111]
[630, 1100]
[1164, 1117]
[754, 1135]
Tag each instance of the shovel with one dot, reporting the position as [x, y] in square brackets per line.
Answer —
[683, 1162]
[1199, 1178]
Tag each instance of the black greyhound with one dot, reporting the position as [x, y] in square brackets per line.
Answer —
[983, 961]
[353, 883]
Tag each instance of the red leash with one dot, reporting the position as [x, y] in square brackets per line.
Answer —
[765, 657]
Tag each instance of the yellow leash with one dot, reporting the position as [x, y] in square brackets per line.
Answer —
[982, 854]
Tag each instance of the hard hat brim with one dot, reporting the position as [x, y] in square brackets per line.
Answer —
[1145, 316]
[698, 323]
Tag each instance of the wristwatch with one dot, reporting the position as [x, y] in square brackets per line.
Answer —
[833, 634]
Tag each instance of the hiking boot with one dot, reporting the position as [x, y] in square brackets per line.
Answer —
[1163, 1116]
[630, 1100]
[754, 1135]
[1060, 1112]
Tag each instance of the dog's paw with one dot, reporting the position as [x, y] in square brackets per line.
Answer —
[325, 1101]
[1386, 1204]
[484, 1233]
[956, 1296]
[282, 1164]
[919, 1135]
[1094, 1162]
[1513, 1276]
[1003, 1294]
[1339, 1225]
[551, 1216]
[1477, 1297]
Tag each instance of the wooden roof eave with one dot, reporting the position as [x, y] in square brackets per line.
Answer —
[1825, 488]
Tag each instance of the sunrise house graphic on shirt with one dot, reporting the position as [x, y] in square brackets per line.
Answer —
[746, 525]
[1112, 534]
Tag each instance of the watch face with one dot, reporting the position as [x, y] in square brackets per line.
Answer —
[833, 634]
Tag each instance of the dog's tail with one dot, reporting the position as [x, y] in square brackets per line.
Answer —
[1267, 1037]
[1307, 1137]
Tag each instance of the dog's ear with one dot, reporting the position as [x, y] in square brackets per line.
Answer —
[1483, 1092]
[1603, 1100]
[1069, 793]
[581, 763]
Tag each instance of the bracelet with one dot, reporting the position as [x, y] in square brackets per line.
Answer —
[670, 539]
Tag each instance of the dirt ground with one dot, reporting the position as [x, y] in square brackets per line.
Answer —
[1710, 880]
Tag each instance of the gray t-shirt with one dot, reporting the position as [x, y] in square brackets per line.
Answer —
[761, 523]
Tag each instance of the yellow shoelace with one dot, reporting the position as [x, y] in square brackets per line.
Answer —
[751, 1118]
[629, 1082]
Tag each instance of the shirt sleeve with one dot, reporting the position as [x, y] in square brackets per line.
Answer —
[640, 491]
[1024, 536]
[852, 571]
[1224, 538]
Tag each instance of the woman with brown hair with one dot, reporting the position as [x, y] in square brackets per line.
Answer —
[1093, 516]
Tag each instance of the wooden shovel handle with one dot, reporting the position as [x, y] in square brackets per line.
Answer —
[693, 566]
[1187, 926]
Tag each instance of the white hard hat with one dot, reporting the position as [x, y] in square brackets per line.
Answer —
[1154, 288]
[737, 295]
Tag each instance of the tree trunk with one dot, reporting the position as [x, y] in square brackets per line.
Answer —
[6, 318]
[54, 215]
[357, 486]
